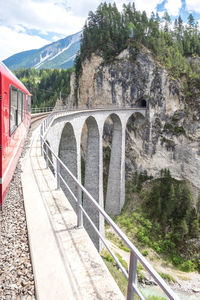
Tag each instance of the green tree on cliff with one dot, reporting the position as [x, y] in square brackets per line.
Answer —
[107, 32]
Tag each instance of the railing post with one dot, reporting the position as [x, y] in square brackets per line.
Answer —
[132, 276]
[42, 144]
[79, 210]
[41, 147]
[41, 134]
[47, 156]
[42, 150]
[58, 173]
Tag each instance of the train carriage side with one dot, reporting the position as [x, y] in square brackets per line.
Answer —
[15, 116]
[0, 143]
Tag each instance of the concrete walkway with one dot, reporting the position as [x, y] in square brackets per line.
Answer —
[66, 264]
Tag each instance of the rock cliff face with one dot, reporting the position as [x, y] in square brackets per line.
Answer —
[170, 135]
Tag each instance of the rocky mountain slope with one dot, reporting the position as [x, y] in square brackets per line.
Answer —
[169, 137]
[60, 54]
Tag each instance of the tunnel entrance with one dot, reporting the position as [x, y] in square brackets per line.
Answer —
[141, 103]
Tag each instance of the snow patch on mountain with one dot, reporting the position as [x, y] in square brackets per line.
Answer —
[61, 51]
[59, 54]
[42, 60]
[70, 58]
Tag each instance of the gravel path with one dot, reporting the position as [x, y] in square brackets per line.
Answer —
[16, 275]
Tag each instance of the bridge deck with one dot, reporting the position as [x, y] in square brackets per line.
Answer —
[66, 265]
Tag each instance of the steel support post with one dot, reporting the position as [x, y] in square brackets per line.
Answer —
[42, 128]
[132, 276]
[41, 134]
[58, 173]
[42, 150]
[79, 210]
[41, 145]
[47, 157]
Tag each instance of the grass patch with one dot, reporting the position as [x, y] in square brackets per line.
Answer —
[187, 266]
[119, 276]
[115, 271]
[117, 241]
[140, 275]
[122, 261]
[167, 277]
[156, 298]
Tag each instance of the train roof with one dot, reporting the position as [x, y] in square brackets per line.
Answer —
[7, 72]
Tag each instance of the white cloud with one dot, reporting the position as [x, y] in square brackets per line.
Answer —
[161, 13]
[47, 16]
[55, 38]
[82, 7]
[19, 28]
[147, 5]
[193, 5]
[54, 18]
[18, 18]
[13, 42]
[173, 7]
[58, 18]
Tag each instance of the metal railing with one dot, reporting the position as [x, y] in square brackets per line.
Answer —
[36, 110]
[68, 107]
[135, 255]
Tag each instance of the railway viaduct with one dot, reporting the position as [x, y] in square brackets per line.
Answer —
[63, 134]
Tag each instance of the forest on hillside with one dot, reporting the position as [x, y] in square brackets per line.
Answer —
[176, 45]
[45, 85]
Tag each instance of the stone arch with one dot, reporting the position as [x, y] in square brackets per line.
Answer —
[135, 117]
[115, 185]
[68, 154]
[92, 178]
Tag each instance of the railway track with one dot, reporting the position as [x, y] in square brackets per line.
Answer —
[36, 119]
[16, 274]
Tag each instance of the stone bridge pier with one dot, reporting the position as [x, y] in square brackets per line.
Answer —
[64, 137]
[115, 195]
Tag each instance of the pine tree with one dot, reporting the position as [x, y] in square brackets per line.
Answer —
[171, 203]
[191, 21]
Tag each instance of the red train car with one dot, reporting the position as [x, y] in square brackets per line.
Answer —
[15, 117]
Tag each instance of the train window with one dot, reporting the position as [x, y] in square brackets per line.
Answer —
[13, 109]
[20, 107]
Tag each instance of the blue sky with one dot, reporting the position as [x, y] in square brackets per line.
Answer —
[31, 24]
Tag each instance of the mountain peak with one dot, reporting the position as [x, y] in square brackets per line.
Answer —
[59, 54]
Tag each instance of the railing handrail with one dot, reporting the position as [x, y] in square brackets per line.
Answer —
[84, 107]
[134, 252]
